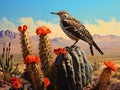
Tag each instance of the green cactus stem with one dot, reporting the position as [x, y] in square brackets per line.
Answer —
[72, 70]
[45, 54]
[7, 64]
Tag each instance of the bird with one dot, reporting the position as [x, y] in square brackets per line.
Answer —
[75, 30]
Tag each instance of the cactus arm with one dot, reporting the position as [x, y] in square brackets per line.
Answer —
[7, 57]
[1, 62]
[1, 65]
[11, 65]
[16, 69]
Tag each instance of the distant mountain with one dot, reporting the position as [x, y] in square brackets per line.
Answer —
[8, 34]
[106, 43]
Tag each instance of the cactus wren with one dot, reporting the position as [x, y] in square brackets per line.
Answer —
[75, 30]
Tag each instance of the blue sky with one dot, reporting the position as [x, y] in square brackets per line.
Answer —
[90, 12]
[40, 9]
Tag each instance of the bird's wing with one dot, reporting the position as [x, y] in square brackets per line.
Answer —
[78, 29]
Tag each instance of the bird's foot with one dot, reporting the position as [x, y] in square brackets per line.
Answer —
[72, 46]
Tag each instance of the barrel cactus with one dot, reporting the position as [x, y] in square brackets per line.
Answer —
[72, 71]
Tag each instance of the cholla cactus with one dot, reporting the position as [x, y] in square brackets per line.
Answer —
[45, 49]
[6, 62]
[25, 42]
[72, 70]
[104, 79]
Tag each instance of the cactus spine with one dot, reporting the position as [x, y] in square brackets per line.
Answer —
[33, 70]
[6, 63]
[36, 76]
[25, 43]
[45, 53]
[72, 70]
[104, 80]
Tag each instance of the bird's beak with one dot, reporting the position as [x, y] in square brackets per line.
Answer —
[54, 13]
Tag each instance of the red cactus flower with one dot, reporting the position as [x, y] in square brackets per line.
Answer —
[20, 29]
[31, 59]
[59, 51]
[25, 27]
[16, 83]
[46, 82]
[110, 65]
[43, 30]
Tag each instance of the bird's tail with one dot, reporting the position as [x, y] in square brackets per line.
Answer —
[99, 50]
[91, 50]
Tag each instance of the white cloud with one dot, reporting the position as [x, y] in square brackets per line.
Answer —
[32, 25]
[6, 24]
[102, 27]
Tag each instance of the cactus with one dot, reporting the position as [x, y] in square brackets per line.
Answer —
[72, 70]
[25, 45]
[25, 42]
[104, 79]
[7, 63]
[33, 71]
[96, 65]
[114, 86]
[45, 53]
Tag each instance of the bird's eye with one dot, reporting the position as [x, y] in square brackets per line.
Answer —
[65, 15]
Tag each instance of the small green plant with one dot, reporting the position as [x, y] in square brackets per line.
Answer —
[7, 63]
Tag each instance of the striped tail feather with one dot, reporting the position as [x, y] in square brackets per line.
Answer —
[99, 50]
[91, 50]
